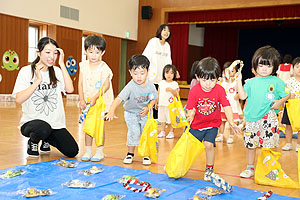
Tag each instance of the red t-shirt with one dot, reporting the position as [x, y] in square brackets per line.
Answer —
[207, 105]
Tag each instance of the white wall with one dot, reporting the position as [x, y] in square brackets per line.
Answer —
[109, 17]
[196, 35]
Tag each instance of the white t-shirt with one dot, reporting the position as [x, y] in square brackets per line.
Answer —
[159, 56]
[231, 91]
[164, 96]
[94, 79]
[45, 103]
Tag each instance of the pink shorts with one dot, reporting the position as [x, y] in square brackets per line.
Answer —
[236, 117]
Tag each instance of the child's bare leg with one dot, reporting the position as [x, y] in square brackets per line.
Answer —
[288, 138]
[210, 158]
[162, 132]
[249, 172]
[88, 148]
[221, 132]
[131, 149]
[163, 126]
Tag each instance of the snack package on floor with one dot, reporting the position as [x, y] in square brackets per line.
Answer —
[154, 193]
[293, 107]
[12, 173]
[131, 180]
[33, 192]
[206, 193]
[265, 196]
[113, 197]
[148, 145]
[268, 170]
[177, 114]
[94, 122]
[91, 171]
[68, 164]
[220, 182]
[183, 155]
[79, 184]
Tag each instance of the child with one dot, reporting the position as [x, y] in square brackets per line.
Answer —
[285, 70]
[293, 84]
[137, 94]
[265, 93]
[194, 80]
[168, 89]
[94, 73]
[230, 88]
[204, 110]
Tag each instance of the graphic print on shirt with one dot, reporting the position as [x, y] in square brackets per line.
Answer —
[45, 98]
[98, 85]
[270, 94]
[206, 106]
[144, 97]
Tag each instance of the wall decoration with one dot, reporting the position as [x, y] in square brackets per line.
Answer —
[10, 60]
[71, 65]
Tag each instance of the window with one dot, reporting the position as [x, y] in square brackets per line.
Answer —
[83, 56]
[33, 38]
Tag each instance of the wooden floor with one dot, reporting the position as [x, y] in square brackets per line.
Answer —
[230, 159]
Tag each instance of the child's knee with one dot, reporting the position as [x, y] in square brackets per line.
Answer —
[208, 145]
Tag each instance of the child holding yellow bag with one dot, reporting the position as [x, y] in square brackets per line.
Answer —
[94, 73]
[265, 94]
[293, 84]
[204, 108]
[167, 90]
[137, 94]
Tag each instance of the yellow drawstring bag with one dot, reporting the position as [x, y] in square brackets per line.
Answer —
[183, 155]
[269, 172]
[94, 121]
[148, 145]
[293, 108]
[177, 115]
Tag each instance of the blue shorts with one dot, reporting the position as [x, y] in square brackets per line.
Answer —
[208, 135]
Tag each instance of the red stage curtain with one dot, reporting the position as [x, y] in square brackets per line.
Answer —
[179, 48]
[236, 15]
[221, 43]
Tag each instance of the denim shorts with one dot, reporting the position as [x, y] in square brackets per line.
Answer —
[208, 135]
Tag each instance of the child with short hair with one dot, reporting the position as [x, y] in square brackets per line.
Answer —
[204, 110]
[265, 94]
[293, 84]
[167, 91]
[94, 73]
[193, 76]
[137, 95]
[230, 87]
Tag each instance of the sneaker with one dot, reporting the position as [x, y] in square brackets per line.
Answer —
[45, 147]
[128, 159]
[247, 173]
[219, 139]
[32, 149]
[97, 157]
[297, 147]
[230, 139]
[86, 156]
[161, 134]
[146, 161]
[287, 147]
[170, 135]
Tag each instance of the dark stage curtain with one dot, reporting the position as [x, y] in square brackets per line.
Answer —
[179, 48]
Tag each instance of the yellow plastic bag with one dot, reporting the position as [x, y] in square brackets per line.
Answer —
[177, 115]
[183, 155]
[293, 108]
[94, 122]
[269, 172]
[148, 145]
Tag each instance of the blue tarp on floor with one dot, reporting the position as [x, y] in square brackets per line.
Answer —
[46, 175]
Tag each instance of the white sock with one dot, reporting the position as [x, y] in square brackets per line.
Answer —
[88, 152]
[100, 149]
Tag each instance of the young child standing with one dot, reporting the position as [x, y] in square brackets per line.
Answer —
[293, 84]
[137, 94]
[264, 93]
[230, 87]
[167, 90]
[204, 108]
[193, 76]
[94, 73]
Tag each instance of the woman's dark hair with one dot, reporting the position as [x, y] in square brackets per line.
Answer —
[266, 55]
[137, 61]
[193, 70]
[160, 29]
[296, 61]
[208, 68]
[167, 68]
[96, 41]
[41, 45]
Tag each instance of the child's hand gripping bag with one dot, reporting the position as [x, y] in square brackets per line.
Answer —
[183, 155]
[148, 145]
[269, 172]
[94, 122]
[177, 115]
[293, 108]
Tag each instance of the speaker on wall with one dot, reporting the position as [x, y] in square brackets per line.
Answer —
[146, 12]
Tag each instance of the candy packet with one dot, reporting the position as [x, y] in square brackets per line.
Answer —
[33, 192]
[154, 192]
[12, 173]
[68, 164]
[113, 197]
[79, 184]
[91, 171]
